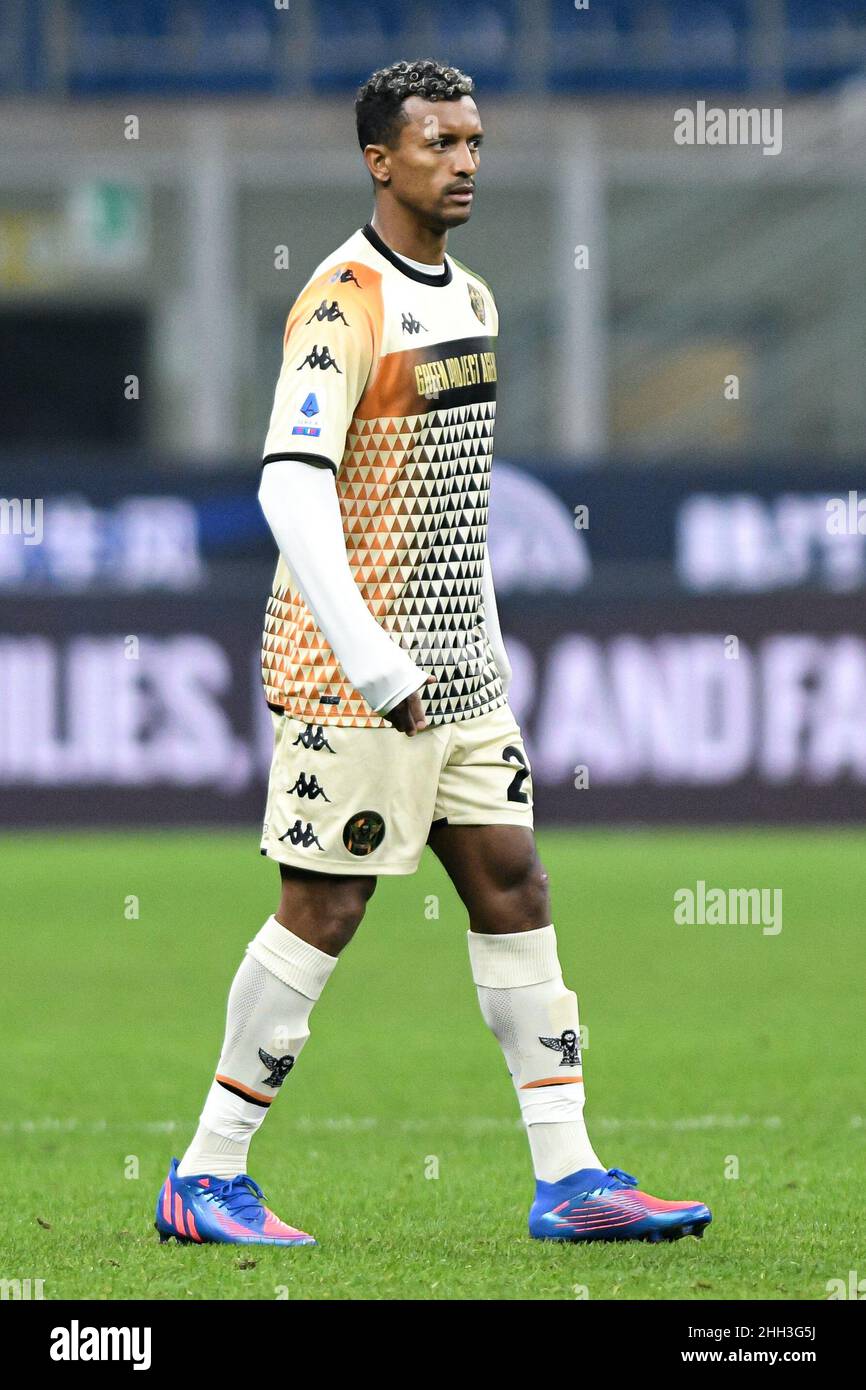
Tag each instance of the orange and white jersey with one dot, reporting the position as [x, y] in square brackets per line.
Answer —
[389, 379]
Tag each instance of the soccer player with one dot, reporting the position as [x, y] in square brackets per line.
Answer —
[387, 679]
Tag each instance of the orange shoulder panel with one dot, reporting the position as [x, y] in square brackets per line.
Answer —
[361, 290]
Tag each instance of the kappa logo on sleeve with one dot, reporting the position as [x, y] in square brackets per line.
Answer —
[323, 359]
[345, 277]
[328, 313]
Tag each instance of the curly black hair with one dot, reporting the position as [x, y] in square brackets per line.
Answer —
[377, 105]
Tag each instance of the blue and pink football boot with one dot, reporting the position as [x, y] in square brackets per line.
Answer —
[202, 1209]
[596, 1205]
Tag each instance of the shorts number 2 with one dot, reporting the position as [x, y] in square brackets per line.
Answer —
[513, 754]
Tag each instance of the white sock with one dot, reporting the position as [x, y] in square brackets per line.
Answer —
[270, 1001]
[210, 1153]
[525, 1004]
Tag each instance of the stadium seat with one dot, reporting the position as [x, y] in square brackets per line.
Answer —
[619, 46]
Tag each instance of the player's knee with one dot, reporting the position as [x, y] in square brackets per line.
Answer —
[528, 891]
[505, 888]
[534, 892]
[330, 907]
[346, 906]
[351, 902]
[521, 870]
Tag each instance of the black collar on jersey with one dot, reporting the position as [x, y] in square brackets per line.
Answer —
[384, 250]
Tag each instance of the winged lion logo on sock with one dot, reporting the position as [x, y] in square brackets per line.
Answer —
[279, 1068]
[567, 1044]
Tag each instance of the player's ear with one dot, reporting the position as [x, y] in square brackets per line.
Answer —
[378, 161]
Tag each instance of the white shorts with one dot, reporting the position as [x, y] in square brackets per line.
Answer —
[362, 801]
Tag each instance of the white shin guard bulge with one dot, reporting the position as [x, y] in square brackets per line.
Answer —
[270, 1001]
[534, 1017]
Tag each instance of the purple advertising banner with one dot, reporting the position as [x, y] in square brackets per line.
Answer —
[142, 710]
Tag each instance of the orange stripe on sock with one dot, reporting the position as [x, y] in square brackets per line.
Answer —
[553, 1081]
[239, 1086]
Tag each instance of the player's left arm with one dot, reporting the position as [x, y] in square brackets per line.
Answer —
[488, 594]
[491, 623]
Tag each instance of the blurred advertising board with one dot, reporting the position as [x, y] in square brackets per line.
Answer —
[146, 709]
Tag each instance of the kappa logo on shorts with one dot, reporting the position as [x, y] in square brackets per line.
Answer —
[301, 835]
[566, 1043]
[363, 832]
[279, 1067]
[310, 787]
[313, 738]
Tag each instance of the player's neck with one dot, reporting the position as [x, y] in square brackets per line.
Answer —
[399, 230]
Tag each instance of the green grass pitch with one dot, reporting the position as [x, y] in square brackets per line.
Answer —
[713, 1051]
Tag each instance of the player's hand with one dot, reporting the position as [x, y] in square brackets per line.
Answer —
[409, 717]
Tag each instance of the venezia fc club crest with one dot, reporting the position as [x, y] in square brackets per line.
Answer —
[476, 299]
[279, 1067]
[363, 832]
[567, 1044]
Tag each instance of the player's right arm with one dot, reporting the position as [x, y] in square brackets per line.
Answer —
[313, 406]
[302, 509]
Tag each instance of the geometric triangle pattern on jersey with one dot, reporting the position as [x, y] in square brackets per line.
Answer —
[413, 494]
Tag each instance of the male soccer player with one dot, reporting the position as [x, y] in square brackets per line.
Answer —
[387, 679]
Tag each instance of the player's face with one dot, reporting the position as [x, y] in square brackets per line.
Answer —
[434, 165]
